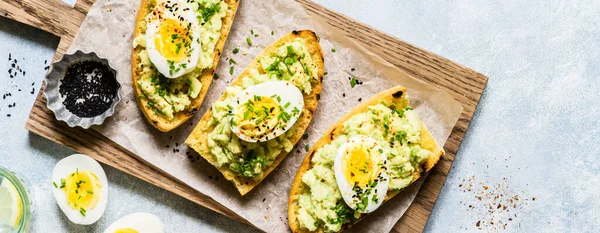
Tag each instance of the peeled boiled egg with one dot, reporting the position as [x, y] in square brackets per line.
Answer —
[137, 223]
[360, 169]
[172, 38]
[80, 188]
[265, 111]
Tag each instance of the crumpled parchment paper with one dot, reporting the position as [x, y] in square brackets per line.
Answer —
[108, 28]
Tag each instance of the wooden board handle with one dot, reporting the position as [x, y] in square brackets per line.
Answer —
[53, 16]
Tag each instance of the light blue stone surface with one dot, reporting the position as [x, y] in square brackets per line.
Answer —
[535, 132]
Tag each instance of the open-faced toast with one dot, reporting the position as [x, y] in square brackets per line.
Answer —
[394, 97]
[167, 120]
[200, 139]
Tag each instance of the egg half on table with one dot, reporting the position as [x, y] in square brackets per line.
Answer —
[137, 223]
[80, 188]
[262, 112]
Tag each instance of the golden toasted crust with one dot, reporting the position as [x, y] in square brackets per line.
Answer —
[427, 142]
[198, 139]
[157, 120]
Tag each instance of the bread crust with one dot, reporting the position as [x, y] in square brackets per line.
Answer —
[157, 120]
[198, 139]
[297, 188]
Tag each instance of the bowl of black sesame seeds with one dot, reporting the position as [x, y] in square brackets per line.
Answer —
[82, 89]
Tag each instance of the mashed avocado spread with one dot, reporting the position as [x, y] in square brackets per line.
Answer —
[170, 96]
[289, 62]
[397, 129]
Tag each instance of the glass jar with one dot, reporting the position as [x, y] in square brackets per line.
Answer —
[15, 203]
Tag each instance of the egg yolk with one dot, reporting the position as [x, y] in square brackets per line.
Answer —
[126, 230]
[82, 189]
[258, 117]
[173, 40]
[358, 167]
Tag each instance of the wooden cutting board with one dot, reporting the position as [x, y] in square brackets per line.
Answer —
[465, 85]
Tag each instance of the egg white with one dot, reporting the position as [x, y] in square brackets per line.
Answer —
[187, 16]
[344, 185]
[285, 90]
[141, 222]
[63, 169]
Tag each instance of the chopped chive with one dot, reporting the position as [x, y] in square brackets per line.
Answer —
[305, 136]
[290, 50]
[230, 107]
[333, 50]
[178, 48]
[272, 33]
[306, 147]
[286, 105]
[216, 76]
[353, 82]
[231, 61]
[249, 41]
[231, 70]
[90, 192]
[246, 115]
[55, 186]
[252, 31]
[236, 50]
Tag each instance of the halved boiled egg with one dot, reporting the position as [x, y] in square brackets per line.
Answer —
[80, 188]
[360, 169]
[172, 38]
[265, 111]
[137, 223]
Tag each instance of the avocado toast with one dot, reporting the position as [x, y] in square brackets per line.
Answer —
[316, 202]
[176, 48]
[297, 59]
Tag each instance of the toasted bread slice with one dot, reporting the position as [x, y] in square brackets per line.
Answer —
[427, 142]
[156, 119]
[198, 139]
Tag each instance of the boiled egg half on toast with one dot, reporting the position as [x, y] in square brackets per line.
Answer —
[172, 38]
[360, 169]
[80, 188]
[264, 111]
[137, 223]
